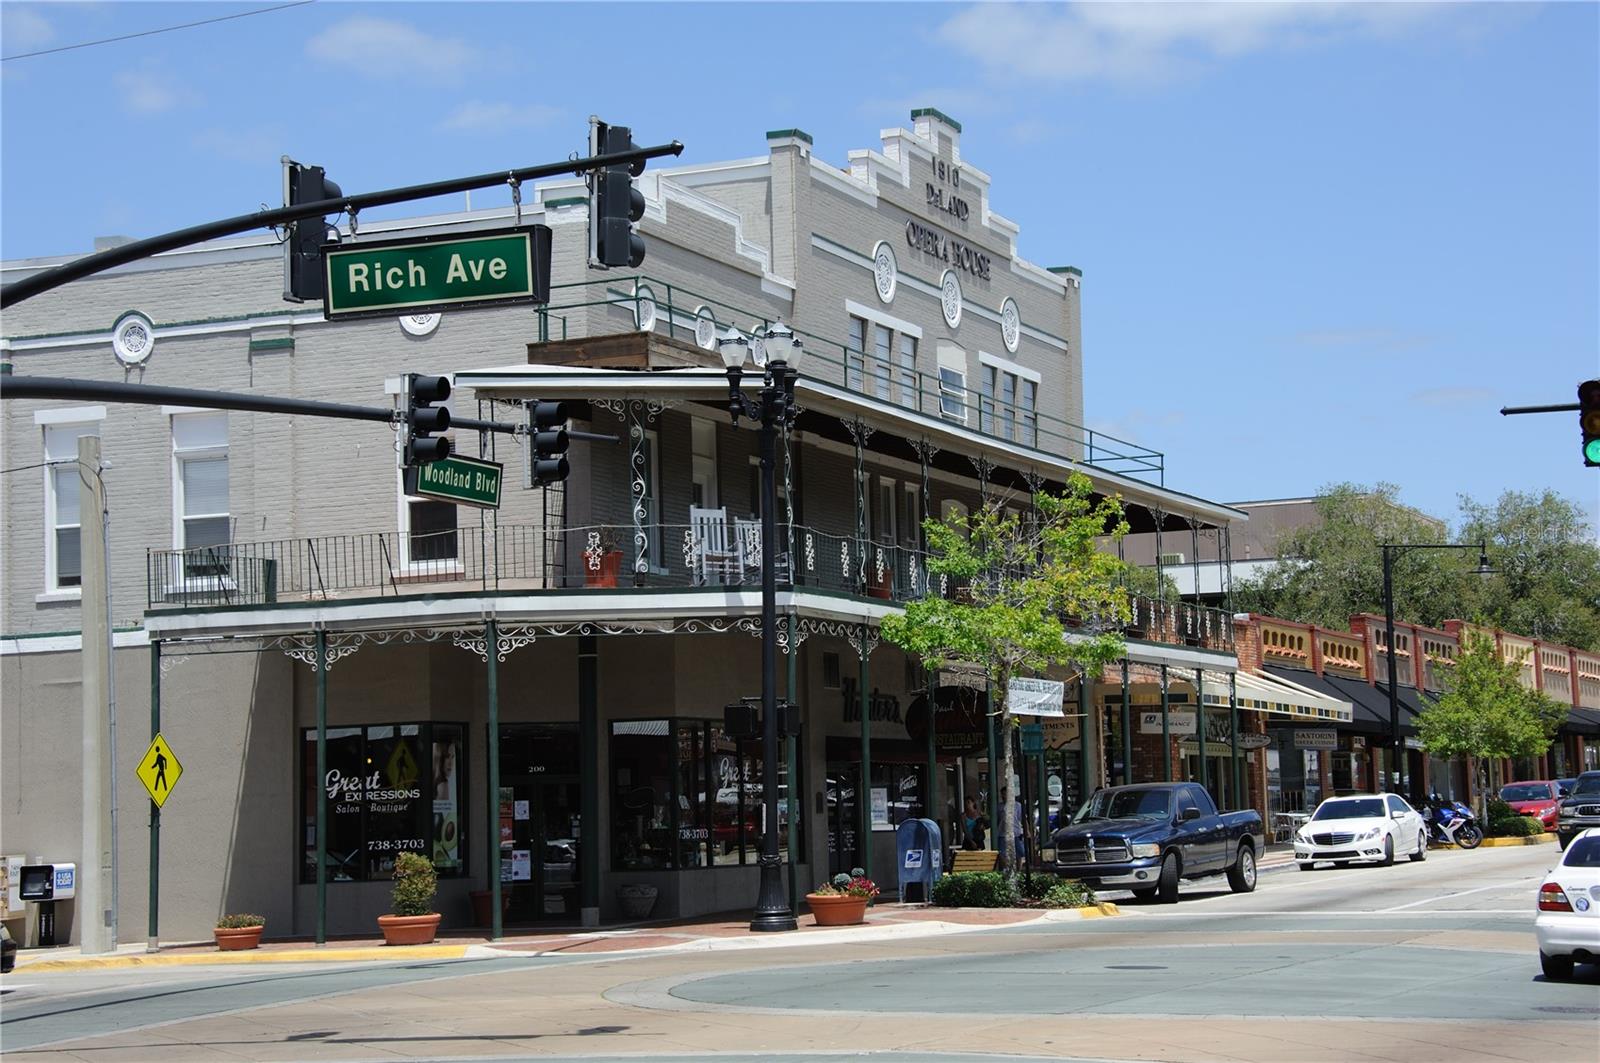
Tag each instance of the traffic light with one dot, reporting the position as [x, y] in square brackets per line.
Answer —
[614, 204]
[549, 443]
[1589, 420]
[302, 264]
[423, 419]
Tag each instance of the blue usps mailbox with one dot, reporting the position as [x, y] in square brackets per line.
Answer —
[918, 845]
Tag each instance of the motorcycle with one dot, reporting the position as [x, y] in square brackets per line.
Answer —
[1452, 823]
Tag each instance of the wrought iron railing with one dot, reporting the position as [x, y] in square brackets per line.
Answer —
[687, 315]
[514, 558]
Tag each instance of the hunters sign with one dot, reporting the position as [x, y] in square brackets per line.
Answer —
[465, 481]
[436, 272]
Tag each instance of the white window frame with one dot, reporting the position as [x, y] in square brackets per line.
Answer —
[855, 358]
[952, 359]
[703, 451]
[179, 580]
[404, 565]
[911, 516]
[906, 365]
[887, 531]
[882, 361]
[45, 420]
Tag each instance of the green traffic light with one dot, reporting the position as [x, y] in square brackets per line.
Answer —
[1591, 450]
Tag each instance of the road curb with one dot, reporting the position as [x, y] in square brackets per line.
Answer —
[199, 959]
[1535, 839]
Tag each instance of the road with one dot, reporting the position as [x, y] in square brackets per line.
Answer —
[1413, 963]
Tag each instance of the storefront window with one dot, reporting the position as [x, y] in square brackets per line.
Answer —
[643, 819]
[391, 788]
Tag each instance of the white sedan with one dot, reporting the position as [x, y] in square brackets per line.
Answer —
[1568, 924]
[1361, 827]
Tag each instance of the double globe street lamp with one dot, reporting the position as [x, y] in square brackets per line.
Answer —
[773, 408]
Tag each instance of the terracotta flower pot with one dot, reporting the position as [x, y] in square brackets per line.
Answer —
[837, 909]
[408, 929]
[236, 938]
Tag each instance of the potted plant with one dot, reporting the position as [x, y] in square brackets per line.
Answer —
[602, 560]
[413, 921]
[242, 931]
[842, 901]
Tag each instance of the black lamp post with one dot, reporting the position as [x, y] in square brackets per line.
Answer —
[1390, 552]
[773, 409]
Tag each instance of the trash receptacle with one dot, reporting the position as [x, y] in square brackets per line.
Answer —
[917, 844]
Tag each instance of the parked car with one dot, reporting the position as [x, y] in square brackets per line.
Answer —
[1538, 800]
[1568, 920]
[1580, 810]
[1564, 786]
[1145, 838]
[1363, 827]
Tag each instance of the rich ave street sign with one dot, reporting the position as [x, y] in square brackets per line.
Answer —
[432, 273]
[465, 481]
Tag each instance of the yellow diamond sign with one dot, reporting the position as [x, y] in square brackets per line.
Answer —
[159, 770]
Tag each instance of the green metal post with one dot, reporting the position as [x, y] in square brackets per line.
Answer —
[589, 779]
[491, 646]
[1044, 801]
[1200, 725]
[1166, 729]
[934, 811]
[864, 787]
[322, 786]
[1085, 697]
[791, 758]
[1127, 728]
[1233, 713]
[994, 771]
[155, 810]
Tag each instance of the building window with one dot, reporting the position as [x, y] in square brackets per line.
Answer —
[200, 492]
[986, 389]
[1008, 405]
[909, 385]
[703, 446]
[685, 794]
[1030, 412]
[855, 353]
[63, 513]
[882, 345]
[911, 517]
[391, 789]
[952, 382]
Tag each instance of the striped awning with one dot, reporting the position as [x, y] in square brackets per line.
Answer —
[1279, 697]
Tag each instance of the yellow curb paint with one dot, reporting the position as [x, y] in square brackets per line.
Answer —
[1536, 839]
[1099, 911]
[377, 952]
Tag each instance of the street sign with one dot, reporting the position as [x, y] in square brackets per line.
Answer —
[1032, 739]
[390, 277]
[159, 770]
[465, 481]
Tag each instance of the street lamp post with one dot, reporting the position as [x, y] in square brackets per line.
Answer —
[1390, 552]
[772, 409]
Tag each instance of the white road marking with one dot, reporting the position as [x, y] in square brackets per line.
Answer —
[1519, 883]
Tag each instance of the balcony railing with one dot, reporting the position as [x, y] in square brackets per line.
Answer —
[692, 317]
[519, 558]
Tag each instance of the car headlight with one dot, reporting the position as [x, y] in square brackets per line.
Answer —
[1145, 850]
[1369, 834]
[1303, 835]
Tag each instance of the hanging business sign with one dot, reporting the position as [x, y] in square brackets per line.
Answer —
[1178, 723]
[386, 277]
[1316, 738]
[1035, 697]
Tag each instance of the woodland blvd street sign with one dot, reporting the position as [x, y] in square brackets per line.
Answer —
[465, 481]
[433, 273]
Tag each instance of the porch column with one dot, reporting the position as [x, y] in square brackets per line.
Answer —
[1233, 714]
[588, 780]
[864, 784]
[1166, 729]
[1127, 728]
[491, 649]
[321, 649]
[1200, 724]
[934, 810]
[152, 944]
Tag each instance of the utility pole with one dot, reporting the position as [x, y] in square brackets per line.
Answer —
[95, 885]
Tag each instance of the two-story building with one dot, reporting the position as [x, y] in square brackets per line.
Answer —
[285, 604]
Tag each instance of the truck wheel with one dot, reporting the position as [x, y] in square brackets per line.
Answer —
[1555, 968]
[1422, 849]
[1144, 893]
[1167, 888]
[1242, 875]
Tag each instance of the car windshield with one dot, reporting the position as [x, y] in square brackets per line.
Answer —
[1585, 852]
[1528, 791]
[1587, 784]
[1364, 808]
[1127, 804]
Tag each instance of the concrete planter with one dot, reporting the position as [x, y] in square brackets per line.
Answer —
[837, 909]
[408, 929]
[237, 938]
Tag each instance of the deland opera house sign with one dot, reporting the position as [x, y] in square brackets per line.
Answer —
[931, 241]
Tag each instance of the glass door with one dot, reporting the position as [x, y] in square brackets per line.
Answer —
[539, 832]
[844, 822]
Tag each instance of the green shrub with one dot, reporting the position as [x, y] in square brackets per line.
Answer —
[415, 883]
[240, 921]
[976, 889]
[1504, 822]
[1067, 894]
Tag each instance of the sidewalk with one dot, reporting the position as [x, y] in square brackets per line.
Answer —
[708, 934]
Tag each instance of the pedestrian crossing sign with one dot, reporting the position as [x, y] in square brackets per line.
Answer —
[159, 770]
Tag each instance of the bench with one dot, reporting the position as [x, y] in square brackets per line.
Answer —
[974, 860]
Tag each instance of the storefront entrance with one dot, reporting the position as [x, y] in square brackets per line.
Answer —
[844, 820]
[539, 823]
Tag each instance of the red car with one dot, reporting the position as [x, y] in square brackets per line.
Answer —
[1537, 799]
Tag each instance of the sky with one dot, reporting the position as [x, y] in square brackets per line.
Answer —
[1320, 242]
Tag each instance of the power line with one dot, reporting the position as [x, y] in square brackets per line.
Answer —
[151, 33]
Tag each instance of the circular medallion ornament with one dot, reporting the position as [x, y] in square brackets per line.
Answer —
[758, 345]
[1010, 325]
[420, 324]
[950, 298]
[133, 337]
[644, 302]
[705, 328]
[885, 271]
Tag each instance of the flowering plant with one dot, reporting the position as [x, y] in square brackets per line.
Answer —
[855, 884]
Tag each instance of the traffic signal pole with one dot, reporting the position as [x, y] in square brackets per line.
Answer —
[87, 266]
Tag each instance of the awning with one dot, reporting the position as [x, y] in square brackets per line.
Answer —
[1279, 697]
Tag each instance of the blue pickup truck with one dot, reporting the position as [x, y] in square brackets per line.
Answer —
[1146, 837]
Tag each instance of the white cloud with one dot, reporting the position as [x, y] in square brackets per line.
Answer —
[148, 91]
[24, 29]
[1146, 41]
[477, 116]
[380, 47]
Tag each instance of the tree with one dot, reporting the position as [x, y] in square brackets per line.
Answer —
[1547, 567]
[1486, 712]
[1015, 586]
